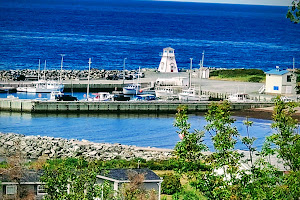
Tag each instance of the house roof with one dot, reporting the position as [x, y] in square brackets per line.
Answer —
[277, 72]
[29, 176]
[122, 174]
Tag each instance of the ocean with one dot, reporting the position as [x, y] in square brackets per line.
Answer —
[232, 36]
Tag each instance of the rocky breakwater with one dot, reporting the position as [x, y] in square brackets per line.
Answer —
[95, 74]
[32, 147]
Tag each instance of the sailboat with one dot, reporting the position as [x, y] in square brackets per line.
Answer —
[42, 86]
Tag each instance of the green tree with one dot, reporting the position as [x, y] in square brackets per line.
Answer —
[223, 135]
[189, 150]
[294, 12]
[220, 182]
[286, 138]
[70, 178]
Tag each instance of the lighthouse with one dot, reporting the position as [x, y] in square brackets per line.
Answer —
[168, 62]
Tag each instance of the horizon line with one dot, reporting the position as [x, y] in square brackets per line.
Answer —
[235, 3]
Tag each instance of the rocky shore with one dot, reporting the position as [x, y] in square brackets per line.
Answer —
[32, 147]
[28, 74]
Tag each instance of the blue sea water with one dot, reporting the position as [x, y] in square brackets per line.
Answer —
[232, 36]
[129, 129]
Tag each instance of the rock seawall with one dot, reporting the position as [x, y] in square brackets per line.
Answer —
[33, 147]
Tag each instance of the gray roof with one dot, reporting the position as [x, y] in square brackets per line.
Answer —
[28, 176]
[122, 174]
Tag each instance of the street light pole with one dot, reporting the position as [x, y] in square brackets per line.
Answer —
[124, 70]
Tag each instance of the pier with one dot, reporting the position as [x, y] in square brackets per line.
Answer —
[36, 106]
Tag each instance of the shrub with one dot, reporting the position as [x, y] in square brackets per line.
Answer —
[228, 73]
[171, 184]
[255, 79]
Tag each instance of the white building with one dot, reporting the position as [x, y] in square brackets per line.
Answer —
[168, 62]
[280, 82]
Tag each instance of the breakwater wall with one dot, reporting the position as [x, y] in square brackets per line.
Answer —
[32, 147]
[35, 106]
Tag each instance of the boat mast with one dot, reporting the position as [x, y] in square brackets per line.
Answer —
[61, 66]
[39, 69]
[124, 70]
[138, 81]
[293, 64]
[45, 70]
[88, 86]
[191, 66]
[200, 71]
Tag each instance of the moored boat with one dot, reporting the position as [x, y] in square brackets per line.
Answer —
[101, 96]
[42, 86]
[239, 97]
[190, 95]
[132, 89]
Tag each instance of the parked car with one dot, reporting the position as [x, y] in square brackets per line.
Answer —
[112, 77]
[66, 98]
[19, 78]
[127, 76]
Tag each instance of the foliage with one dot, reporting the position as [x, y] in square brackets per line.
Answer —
[294, 12]
[188, 151]
[70, 178]
[14, 168]
[134, 190]
[187, 194]
[171, 184]
[134, 163]
[255, 79]
[227, 180]
[106, 190]
[3, 165]
[286, 139]
[222, 133]
[249, 75]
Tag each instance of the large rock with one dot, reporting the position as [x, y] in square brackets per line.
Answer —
[34, 146]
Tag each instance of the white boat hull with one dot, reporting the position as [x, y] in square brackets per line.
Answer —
[132, 89]
[193, 98]
[42, 87]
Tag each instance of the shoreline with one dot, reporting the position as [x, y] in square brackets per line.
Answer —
[33, 147]
[262, 113]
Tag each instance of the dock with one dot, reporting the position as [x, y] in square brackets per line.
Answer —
[38, 106]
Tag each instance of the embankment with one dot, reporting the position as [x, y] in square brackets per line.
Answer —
[32, 147]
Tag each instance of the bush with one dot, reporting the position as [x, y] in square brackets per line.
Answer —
[255, 79]
[171, 184]
[229, 73]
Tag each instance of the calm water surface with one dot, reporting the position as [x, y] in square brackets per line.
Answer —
[130, 129]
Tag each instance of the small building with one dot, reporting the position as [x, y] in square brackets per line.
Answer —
[29, 185]
[175, 81]
[118, 177]
[202, 72]
[280, 82]
[168, 61]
